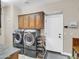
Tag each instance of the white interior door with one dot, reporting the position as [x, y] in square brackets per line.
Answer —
[54, 32]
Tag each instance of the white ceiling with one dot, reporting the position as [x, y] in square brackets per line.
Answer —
[30, 3]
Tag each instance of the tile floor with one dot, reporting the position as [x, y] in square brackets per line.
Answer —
[53, 55]
[49, 55]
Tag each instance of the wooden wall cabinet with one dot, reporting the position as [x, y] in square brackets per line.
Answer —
[31, 21]
[26, 22]
[21, 22]
[39, 21]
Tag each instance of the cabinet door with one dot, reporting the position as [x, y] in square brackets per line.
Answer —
[32, 21]
[39, 21]
[14, 56]
[26, 21]
[21, 22]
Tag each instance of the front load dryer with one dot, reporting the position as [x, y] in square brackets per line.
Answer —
[29, 39]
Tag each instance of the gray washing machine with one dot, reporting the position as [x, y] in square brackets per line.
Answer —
[18, 40]
[29, 39]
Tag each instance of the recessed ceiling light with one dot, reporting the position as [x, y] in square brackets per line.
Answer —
[27, 2]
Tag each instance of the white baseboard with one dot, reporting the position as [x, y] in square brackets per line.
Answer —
[65, 53]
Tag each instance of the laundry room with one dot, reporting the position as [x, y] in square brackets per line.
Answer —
[39, 29]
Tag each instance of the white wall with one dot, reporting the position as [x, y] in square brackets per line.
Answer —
[10, 24]
[2, 28]
[70, 9]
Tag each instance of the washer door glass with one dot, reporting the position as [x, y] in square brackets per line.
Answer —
[28, 39]
[17, 38]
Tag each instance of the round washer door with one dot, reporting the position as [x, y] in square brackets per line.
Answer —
[28, 39]
[17, 37]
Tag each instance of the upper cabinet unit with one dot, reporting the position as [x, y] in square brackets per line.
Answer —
[31, 21]
[39, 20]
[26, 22]
[21, 22]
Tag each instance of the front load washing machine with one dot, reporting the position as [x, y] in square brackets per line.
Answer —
[29, 39]
[18, 40]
